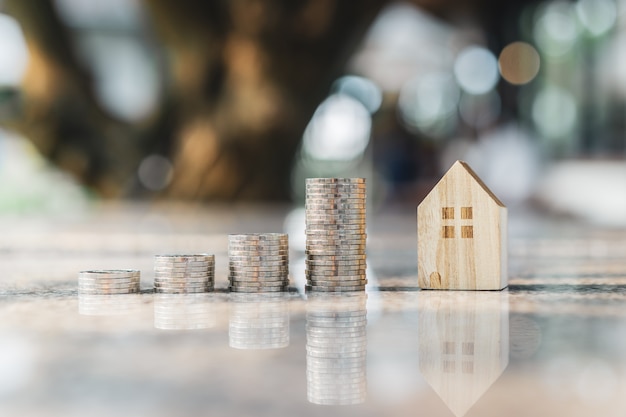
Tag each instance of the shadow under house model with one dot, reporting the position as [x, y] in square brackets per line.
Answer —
[461, 234]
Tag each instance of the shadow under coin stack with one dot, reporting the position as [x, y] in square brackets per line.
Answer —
[109, 281]
[335, 234]
[336, 349]
[184, 274]
[258, 321]
[258, 262]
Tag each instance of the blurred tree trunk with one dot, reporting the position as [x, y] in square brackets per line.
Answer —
[244, 79]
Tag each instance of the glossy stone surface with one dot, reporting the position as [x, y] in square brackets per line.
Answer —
[553, 343]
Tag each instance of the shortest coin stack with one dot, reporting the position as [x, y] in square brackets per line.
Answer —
[184, 274]
[109, 281]
[258, 262]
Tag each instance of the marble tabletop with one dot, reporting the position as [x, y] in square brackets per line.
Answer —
[553, 343]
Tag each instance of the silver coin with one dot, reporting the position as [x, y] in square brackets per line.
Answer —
[339, 334]
[108, 290]
[181, 287]
[246, 289]
[336, 196]
[259, 274]
[241, 253]
[335, 249]
[335, 252]
[321, 217]
[322, 262]
[184, 258]
[324, 276]
[330, 283]
[240, 284]
[320, 273]
[335, 288]
[336, 266]
[177, 269]
[331, 205]
[258, 263]
[108, 285]
[110, 273]
[181, 290]
[278, 278]
[336, 258]
[335, 200]
[336, 229]
[335, 211]
[335, 186]
[164, 271]
[319, 180]
[257, 268]
[167, 262]
[183, 277]
[96, 280]
[236, 257]
[183, 283]
[249, 237]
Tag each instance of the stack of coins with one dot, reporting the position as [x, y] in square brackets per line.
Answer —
[109, 305]
[258, 321]
[258, 262]
[109, 281]
[184, 311]
[336, 346]
[176, 274]
[335, 234]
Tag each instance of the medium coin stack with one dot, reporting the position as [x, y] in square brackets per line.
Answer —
[182, 274]
[336, 347]
[258, 321]
[258, 262]
[335, 234]
[184, 311]
[109, 281]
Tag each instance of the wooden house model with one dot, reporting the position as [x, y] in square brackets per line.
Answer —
[462, 234]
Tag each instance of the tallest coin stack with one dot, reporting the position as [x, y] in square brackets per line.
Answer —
[335, 234]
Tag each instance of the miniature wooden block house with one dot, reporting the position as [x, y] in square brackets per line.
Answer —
[461, 234]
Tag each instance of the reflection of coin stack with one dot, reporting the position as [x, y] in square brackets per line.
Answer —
[184, 311]
[109, 281]
[336, 348]
[258, 262]
[108, 305]
[176, 274]
[259, 321]
[335, 234]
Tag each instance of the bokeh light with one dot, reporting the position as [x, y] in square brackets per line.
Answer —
[519, 63]
[429, 103]
[598, 16]
[362, 89]
[155, 172]
[13, 52]
[554, 112]
[127, 82]
[556, 29]
[339, 130]
[476, 70]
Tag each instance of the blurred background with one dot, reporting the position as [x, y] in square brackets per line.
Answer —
[240, 100]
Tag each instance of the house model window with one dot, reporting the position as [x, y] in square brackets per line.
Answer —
[467, 231]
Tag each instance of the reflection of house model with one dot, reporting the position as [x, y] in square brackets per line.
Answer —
[461, 234]
[463, 344]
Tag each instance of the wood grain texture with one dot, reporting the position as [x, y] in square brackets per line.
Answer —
[463, 344]
[461, 235]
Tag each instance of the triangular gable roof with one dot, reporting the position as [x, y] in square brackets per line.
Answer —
[470, 171]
